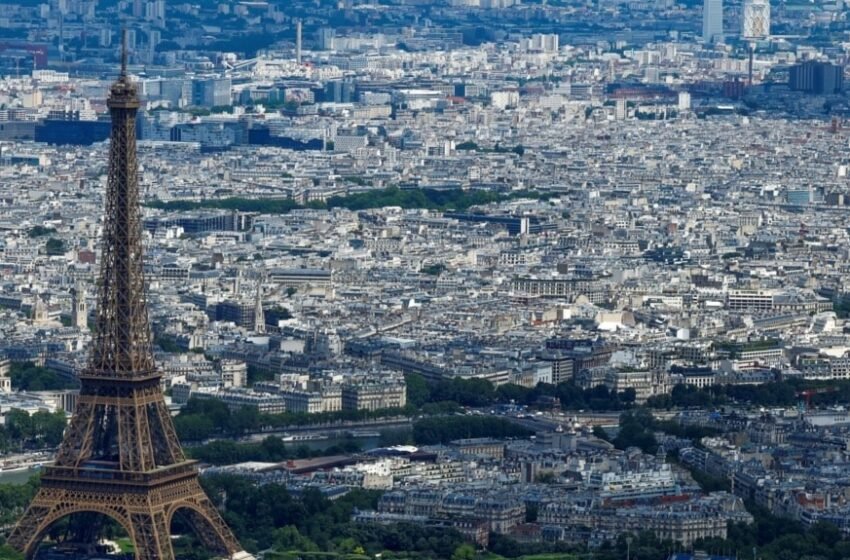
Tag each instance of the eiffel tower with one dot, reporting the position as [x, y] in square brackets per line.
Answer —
[121, 457]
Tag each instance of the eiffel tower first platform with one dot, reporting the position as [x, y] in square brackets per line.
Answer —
[121, 457]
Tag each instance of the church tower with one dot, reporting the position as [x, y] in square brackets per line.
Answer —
[79, 311]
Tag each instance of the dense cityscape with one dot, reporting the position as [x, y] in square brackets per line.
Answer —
[424, 279]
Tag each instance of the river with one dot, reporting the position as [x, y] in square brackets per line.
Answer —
[365, 443]
[17, 477]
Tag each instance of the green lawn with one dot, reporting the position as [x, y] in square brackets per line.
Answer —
[125, 544]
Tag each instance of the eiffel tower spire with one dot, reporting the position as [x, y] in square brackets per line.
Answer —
[121, 457]
[122, 345]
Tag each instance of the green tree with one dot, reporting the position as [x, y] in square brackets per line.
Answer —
[39, 231]
[636, 431]
[468, 392]
[349, 546]
[9, 553]
[429, 431]
[628, 396]
[433, 269]
[510, 392]
[464, 552]
[194, 427]
[418, 390]
[289, 538]
[26, 376]
[547, 477]
[55, 247]
[14, 499]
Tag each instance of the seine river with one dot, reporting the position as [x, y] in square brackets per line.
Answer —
[20, 477]
[17, 477]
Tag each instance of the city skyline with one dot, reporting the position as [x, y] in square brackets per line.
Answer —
[424, 280]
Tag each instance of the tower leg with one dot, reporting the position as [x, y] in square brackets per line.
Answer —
[148, 530]
[148, 524]
[53, 504]
[29, 524]
[152, 540]
[206, 522]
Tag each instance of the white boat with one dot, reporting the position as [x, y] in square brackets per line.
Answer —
[303, 437]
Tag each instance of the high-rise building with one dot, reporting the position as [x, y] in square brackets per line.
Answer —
[712, 21]
[326, 36]
[105, 37]
[543, 42]
[756, 21]
[821, 78]
[211, 92]
[684, 101]
[621, 109]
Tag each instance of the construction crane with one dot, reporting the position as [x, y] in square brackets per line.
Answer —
[807, 394]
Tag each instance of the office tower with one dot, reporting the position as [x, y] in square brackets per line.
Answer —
[121, 457]
[756, 22]
[105, 37]
[154, 39]
[755, 26]
[543, 42]
[621, 109]
[684, 101]
[712, 21]
[820, 78]
[130, 38]
[211, 92]
[326, 36]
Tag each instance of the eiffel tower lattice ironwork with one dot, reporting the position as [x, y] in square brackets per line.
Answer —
[121, 457]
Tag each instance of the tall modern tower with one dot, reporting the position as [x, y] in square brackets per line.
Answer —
[121, 457]
[712, 21]
[755, 26]
[756, 21]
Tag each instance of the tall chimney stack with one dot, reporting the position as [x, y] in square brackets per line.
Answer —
[298, 41]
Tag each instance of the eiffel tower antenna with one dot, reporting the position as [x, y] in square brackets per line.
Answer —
[123, 52]
[121, 457]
